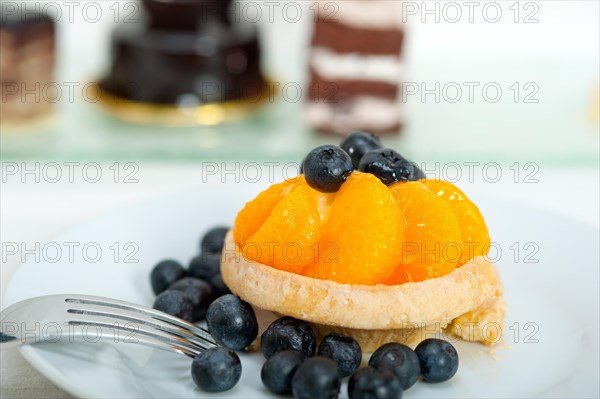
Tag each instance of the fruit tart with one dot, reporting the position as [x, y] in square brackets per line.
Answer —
[363, 244]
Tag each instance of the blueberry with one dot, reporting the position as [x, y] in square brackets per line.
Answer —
[389, 166]
[216, 370]
[199, 291]
[278, 370]
[232, 322]
[317, 378]
[418, 174]
[438, 358]
[175, 303]
[400, 360]
[205, 266]
[344, 350]
[164, 274]
[218, 286]
[213, 240]
[369, 383]
[288, 333]
[357, 144]
[326, 168]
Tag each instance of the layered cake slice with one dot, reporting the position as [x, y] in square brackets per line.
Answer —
[355, 67]
[27, 45]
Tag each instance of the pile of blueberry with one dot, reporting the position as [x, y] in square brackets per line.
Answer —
[289, 345]
[233, 325]
[327, 167]
[187, 293]
[198, 293]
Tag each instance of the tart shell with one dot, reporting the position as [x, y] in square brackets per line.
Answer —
[372, 314]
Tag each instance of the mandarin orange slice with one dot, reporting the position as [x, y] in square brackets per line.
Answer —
[362, 234]
[289, 237]
[324, 200]
[473, 229]
[255, 212]
[433, 241]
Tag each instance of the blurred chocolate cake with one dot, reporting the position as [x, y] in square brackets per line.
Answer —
[185, 53]
[27, 59]
[355, 67]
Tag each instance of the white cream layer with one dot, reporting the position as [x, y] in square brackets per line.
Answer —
[365, 14]
[362, 112]
[354, 66]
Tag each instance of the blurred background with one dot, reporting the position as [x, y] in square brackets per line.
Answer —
[106, 104]
[140, 93]
[489, 80]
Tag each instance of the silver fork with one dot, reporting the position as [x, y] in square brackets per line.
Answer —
[54, 318]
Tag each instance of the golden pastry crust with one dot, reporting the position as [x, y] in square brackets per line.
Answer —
[483, 324]
[360, 307]
[370, 340]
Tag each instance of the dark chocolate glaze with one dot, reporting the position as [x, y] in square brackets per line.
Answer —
[185, 14]
[211, 63]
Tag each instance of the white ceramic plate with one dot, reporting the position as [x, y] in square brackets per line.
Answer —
[550, 343]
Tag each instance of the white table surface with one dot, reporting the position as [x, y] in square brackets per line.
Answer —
[35, 212]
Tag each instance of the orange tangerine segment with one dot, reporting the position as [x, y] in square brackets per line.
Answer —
[289, 238]
[362, 235]
[473, 229]
[254, 214]
[433, 242]
[324, 200]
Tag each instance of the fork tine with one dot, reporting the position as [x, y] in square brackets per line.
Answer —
[145, 337]
[140, 319]
[152, 313]
[139, 335]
